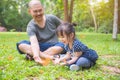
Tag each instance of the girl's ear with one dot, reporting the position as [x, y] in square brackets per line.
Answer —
[72, 35]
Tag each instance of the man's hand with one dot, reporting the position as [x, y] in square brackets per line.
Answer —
[38, 60]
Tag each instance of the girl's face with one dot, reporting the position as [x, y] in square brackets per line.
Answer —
[66, 39]
[63, 38]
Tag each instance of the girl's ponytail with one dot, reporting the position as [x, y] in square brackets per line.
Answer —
[73, 24]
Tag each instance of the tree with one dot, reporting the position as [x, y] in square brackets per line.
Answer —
[13, 14]
[2, 10]
[68, 10]
[119, 16]
[66, 18]
[115, 23]
[93, 16]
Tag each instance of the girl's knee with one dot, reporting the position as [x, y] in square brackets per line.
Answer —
[83, 62]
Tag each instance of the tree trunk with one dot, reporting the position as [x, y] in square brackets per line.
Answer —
[115, 23]
[94, 18]
[68, 11]
[119, 16]
[71, 11]
[65, 2]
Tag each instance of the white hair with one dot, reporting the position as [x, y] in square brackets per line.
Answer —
[34, 2]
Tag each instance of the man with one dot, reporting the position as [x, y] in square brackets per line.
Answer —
[41, 31]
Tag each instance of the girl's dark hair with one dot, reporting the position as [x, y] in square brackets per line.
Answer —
[66, 28]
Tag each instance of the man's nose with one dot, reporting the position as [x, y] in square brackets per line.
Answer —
[38, 13]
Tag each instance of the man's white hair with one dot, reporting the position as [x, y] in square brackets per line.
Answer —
[34, 2]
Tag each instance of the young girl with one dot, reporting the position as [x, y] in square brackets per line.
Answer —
[78, 55]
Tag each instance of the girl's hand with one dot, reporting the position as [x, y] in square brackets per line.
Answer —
[63, 63]
[56, 61]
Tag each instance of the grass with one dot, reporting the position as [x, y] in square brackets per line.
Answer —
[13, 66]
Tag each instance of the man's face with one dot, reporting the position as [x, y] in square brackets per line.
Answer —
[36, 12]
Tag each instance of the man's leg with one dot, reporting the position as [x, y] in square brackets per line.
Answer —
[54, 50]
[57, 48]
[25, 48]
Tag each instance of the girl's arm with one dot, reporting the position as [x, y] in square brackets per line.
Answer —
[77, 55]
[67, 56]
[62, 59]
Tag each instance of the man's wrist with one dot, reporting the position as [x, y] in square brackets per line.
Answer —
[35, 57]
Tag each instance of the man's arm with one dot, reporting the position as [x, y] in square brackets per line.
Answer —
[35, 49]
[34, 46]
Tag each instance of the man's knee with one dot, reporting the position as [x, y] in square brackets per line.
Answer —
[21, 46]
[57, 49]
[54, 50]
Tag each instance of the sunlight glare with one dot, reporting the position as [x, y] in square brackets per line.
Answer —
[93, 2]
[102, 0]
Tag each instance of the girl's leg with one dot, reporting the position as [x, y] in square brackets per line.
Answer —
[84, 62]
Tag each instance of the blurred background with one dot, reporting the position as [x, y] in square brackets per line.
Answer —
[90, 15]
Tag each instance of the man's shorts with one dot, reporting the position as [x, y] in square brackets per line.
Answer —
[43, 46]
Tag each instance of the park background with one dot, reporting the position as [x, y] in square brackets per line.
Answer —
[98, 26]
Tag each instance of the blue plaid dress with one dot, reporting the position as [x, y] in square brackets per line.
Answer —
[80, 47]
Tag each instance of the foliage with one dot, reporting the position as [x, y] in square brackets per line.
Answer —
[15, 16]
[12, 30]
[13, 66]
[54, 7]
[104, 16]
[90, 29]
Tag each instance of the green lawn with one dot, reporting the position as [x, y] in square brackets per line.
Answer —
[13, 66]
